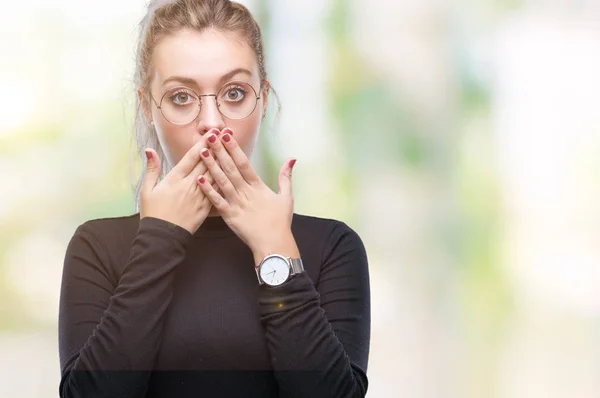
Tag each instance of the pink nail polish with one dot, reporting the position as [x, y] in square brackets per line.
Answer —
[212, 139]
[227, 138]
[292, 163]
[202, 180]
[205, 153]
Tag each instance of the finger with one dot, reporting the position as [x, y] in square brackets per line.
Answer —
[199, 170]
[192, 157]
[215, 198]
[221, 179]
[239, 157]
[152, 171]
[226, 162]
[285, 178]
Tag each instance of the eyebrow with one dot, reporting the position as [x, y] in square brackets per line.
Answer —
[223, 79]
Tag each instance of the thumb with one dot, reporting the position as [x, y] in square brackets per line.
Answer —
[285, 177]
[152, 171]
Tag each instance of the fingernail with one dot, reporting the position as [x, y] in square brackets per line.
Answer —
[292, 163]
[148, 155]
[227, 138]
[205, 153]
[202, 180]
[216, 132]
[227, 130]
[212, 139]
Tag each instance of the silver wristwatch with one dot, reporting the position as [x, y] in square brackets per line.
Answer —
[275, 269]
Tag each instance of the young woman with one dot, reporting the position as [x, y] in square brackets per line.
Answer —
[216, 288]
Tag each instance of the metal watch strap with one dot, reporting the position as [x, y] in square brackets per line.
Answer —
[297, 265]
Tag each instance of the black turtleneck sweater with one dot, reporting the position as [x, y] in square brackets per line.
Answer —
[148, 309]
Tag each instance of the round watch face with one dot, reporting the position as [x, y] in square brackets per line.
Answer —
[274, 271]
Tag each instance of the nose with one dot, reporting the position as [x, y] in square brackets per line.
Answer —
[209, 117]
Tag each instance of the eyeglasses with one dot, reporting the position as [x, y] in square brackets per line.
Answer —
[181, 105]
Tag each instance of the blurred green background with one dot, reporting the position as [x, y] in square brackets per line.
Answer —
[459, 139]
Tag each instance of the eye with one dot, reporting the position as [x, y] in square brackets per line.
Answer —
[181, 98]
[234, 94]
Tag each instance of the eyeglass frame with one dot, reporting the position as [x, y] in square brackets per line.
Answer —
[257, 97]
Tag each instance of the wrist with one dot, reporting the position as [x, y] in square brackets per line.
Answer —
[284, 246]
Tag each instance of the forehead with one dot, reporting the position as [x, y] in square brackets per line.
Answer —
[203, 56]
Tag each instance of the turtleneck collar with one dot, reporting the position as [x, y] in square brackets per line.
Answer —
[214, 226]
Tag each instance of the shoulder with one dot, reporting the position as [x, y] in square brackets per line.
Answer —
[334, 251]
[107, 237]
[325, 229]
[314, 223]
[332, 237]
[110, 228]
[102, 243]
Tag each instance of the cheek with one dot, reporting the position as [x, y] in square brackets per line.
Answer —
[175, 141]
[245, 132]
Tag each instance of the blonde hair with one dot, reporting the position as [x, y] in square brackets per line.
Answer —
[165, 17]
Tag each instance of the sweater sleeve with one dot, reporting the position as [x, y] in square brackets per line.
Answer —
[109, 335]
[318, 337]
